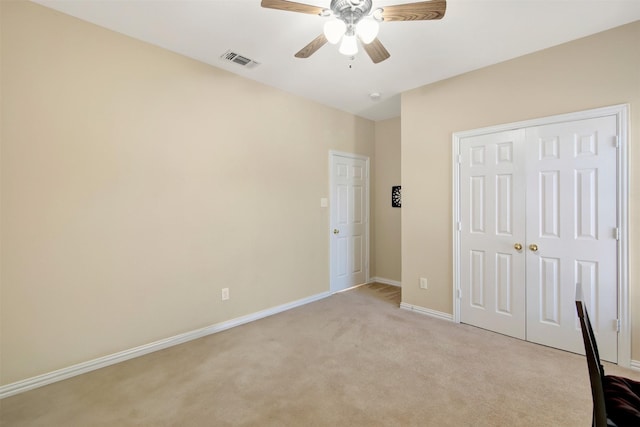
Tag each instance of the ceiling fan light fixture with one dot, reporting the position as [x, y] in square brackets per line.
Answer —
[350, 13]
[334, 30]
[349, 45]
[367, 30]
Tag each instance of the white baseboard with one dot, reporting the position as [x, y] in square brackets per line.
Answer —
[385, 281]
[427, 311]
[635, 365]
[101, 362]
[350, 288]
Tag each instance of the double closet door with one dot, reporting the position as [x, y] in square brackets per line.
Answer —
[537, 215]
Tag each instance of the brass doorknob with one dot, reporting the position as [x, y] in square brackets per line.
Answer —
[518, 247]
[336, 231]
[533, 247]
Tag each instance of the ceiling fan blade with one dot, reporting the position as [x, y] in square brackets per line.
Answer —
[292, 6]
[424, 10]
[311, 48]
[376, 51]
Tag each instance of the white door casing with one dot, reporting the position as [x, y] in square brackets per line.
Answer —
[349, 224]
[571, 212]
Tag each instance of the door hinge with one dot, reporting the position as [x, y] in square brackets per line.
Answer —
[617, 325]
[617, 141]
[459, 225]
[616, 233]
[458, 294]
[459, 158]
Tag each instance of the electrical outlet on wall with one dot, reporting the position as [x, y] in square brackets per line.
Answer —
[225, 294]
[423, 283]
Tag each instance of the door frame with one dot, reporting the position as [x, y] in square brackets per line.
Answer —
[332, 206]
[621, 112]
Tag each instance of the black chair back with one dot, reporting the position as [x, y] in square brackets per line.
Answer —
[596, 370]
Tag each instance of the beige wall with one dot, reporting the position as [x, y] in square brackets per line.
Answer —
[137, 183]
[387, 219]
[596, 71]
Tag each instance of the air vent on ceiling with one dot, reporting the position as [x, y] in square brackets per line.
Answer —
[239, 59]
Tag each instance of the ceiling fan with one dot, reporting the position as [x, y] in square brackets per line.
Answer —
[355, 19]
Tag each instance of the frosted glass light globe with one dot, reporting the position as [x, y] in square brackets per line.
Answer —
[367, 30]
[349, 45]
[334, 30]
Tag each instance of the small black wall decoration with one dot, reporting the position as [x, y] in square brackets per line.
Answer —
[396, 197]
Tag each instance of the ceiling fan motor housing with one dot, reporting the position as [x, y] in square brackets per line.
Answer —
[350, 11]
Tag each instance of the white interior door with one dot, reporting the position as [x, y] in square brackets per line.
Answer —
[492, 269]
[572, 221]
[349, 220]
[553, 190]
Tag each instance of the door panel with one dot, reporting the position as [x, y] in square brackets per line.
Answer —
[341, 242]
[349, 221]
[492, 222]
[571, 194]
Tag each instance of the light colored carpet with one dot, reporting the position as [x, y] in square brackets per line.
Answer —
[353, 359]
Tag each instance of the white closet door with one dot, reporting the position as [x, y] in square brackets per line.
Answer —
[571, 232]
[492, 269]
[553, 190]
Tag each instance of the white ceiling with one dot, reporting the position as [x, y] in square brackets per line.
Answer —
[472, 34]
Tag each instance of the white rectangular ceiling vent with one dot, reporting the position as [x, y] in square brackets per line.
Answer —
[239, 59]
